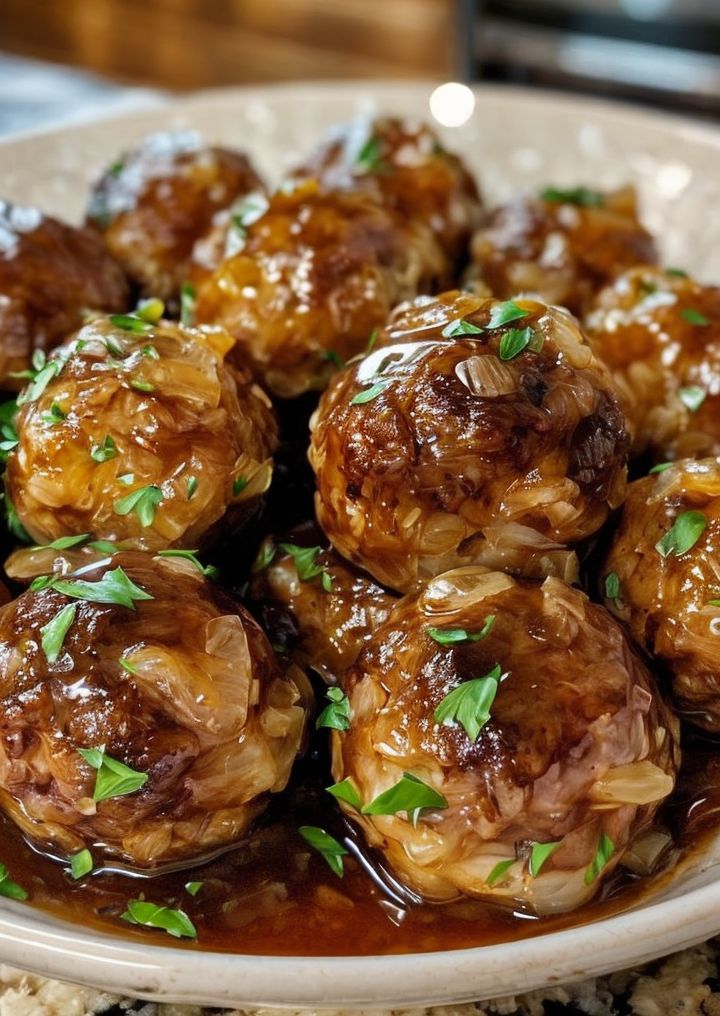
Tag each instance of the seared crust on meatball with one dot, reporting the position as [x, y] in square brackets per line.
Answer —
[659, 333]
[670, 595]
[142, 432]
[183, 687]
[315, 275]
[575, 748]
[332, 615]
[50, 273]
[562, 251]
[403, 165]
[157, 201]
[434, 451]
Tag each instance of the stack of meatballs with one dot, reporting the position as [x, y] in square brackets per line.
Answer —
[498, 633]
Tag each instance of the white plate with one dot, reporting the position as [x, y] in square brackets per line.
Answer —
[514, 139]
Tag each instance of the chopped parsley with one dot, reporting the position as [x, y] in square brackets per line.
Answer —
[335, 715]
[660, 467]
[114, 587]
[53, 633]
[143, 501]
[368, 158]
[191, 487]
[469, 704]
[326, 845]
[505, 313]
[410, 794]
[684, 533]
[142, 385]
[53, 416]
[104, 451]
[307, 565]
[460, 327]
[451, 636]
[239, 485]
[114, 778]
[693, 316]
[514, 341]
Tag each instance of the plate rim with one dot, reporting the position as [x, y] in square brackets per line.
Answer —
[36, 940]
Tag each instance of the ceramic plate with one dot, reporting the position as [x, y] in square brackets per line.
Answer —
[512, 139]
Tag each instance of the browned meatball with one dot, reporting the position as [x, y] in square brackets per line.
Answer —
[332, 608]
[158, 200]
[661, 577]
[403, 165]
[140, 431]
[141, 661]
[315, 275]
[564, 249]
[462, 440]
[50, 274]
[659, 333]
[540, 740]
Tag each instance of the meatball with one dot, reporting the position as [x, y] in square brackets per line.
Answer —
[403, 165]
[563, 245]
[313, 602]
[140, 431]
[159, 200]
[659, 333]
[504, 742]
[50, 275]
[316, 273]
[477, 432]
[661, 577]
[144, 714]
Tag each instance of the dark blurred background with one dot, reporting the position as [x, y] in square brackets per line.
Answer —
[665, 52]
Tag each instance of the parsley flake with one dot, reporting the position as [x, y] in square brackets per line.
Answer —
[326, 845]
[368, 158]
[660, 467]
[114, 778]
[335, 715]
[143, 501]
[605, 850]
[81, 864]
[104, 451]
[693, 316]
[306, 563]
[191, 487]
[239, 485]
[514, 341]
[451, 636]
[539, 854]
[53, 416]
[460, 327]
[53, 633]
[469, 704]
[153, 915]
[114, 587]
[505, 313]
[142, 385]
[684, 533]
[410, 794]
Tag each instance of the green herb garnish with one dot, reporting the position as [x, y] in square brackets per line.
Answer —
[692, 396]
[410, 794]
[239, 485]
[152, 915]
[369, 393]
[685, 532]
[41, 380]
[190, 555]
[504, 313]
[114, 587]
[64, 542]
[326, 845]
[605, 850]
[53, 633]
[53, 416]
[188, 299]
[191, 487]
[106, 450]
[81, 864]
[460, 327]
[612, 586]
[143, 501]
[500, 871]
[130, 323]
[346, 791]
[265, 556]
[694, 316]
[469, 704]
[335, 715]
[114, 779]
[582, 196]
[150, 352]
[539, 854]
[193, 887]
[451, 636]
[660, 467]
[9, 888]
[142, 385]
[128, 667]
[307, 565]
[368, 158]
[514, 341]
[679, 272]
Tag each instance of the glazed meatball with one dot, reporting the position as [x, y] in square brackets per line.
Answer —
[504, 742]
[140, 431]
[465, 440]
[562, 246]
[659, 333]
[316, 273]
[142, 662]
[50, 274]
[661, 577]
[318, 605]
[159, 200]
[404, 166]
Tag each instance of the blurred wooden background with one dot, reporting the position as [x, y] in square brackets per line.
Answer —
[183, 44]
